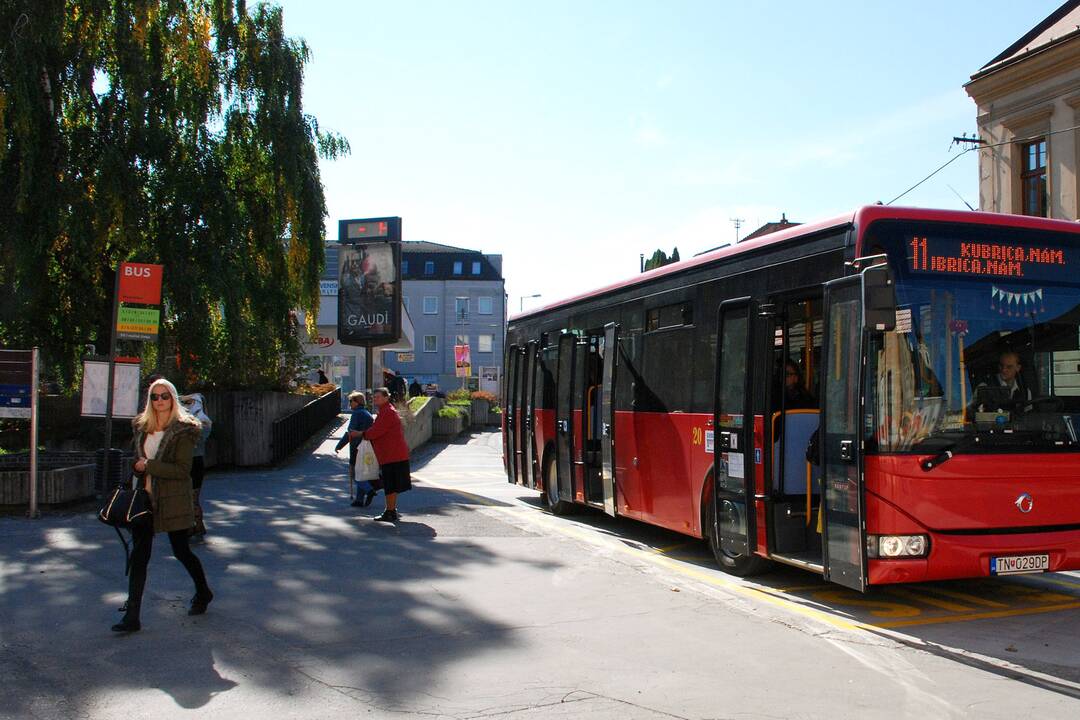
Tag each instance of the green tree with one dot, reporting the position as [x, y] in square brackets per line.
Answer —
[660, 259]
[159, 131]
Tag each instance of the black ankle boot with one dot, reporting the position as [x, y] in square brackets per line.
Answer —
[199, 602]
[130, 622]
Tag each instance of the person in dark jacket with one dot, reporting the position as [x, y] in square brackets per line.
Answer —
[195, 403]
[388, 440]
[396, 385]
[165, 437]
[359, 421]
[796, 396]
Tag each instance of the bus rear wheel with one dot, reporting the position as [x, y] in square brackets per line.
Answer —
[551, 490]
[739, 564]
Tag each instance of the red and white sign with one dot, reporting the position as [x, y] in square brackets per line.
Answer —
[140, 283]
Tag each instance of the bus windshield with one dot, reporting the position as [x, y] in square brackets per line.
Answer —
[985, 356]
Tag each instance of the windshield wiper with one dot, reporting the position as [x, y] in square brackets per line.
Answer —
[944, 455]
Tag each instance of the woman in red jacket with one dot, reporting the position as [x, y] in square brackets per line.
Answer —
[388, 441]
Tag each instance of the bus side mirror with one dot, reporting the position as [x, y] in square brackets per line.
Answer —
[879, 298]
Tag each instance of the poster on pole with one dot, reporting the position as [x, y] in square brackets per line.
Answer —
[16, 383]
[369, 293]
[126, 380]
[462, 361]
[489, 379]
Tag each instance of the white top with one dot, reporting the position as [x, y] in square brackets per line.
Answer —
[152, 442]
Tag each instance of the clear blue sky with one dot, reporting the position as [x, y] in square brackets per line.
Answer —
[572, 136]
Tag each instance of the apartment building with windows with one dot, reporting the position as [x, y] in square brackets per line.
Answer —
[454, 296]
[1028, 100]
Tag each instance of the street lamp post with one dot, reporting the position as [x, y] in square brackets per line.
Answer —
[523, 298]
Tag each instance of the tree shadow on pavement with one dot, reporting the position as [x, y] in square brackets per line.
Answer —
[300, 580]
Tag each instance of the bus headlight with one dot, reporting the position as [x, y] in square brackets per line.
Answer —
[896, 546]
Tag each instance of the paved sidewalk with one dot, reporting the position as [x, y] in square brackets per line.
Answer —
[467, 609]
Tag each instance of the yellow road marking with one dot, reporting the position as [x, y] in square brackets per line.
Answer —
[1054, 581]
[906, 615]
[669, 548]
[966, 597]
[979, 616]
[910, 594]
[878, 608]
[802, 588]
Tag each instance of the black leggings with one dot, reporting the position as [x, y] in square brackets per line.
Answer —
[143, 542]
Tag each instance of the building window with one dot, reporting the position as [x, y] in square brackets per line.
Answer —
[461, 340]
[1033, 178]
[483, 305]
[404, 267]
[476, 267]
[431, 343]
[429, 267]
[461, 309]
[431, 305]
[484, 342]
[457, 267]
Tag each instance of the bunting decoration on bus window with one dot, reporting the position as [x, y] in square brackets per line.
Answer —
[1017, 304]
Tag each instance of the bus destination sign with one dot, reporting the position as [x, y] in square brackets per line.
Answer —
[928, 254]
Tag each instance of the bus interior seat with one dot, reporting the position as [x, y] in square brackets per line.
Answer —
[799, 426]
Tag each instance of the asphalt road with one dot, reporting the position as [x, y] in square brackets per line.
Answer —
[480, 604]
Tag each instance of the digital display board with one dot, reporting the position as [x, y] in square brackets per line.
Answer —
[991, 259]
[366, 229]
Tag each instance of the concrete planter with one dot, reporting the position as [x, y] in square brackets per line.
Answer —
[494, 418]
[418, 428]
[447, 427]
[60, 485]
[478, 415]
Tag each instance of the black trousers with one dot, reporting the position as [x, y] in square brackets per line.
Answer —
[143, 543]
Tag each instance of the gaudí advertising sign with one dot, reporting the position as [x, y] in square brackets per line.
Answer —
[369, 284]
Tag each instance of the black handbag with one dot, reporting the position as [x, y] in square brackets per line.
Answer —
[127, 507]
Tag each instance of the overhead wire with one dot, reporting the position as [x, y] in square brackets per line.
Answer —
[1014, 141]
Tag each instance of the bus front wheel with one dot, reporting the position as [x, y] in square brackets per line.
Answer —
[739, 564]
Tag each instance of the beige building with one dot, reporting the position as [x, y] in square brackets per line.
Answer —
[1029, 109]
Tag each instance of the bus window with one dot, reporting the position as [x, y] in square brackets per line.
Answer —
[977, 362]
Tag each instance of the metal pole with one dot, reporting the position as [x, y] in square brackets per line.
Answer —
[33, 431]
[369, 371]
[112, 375]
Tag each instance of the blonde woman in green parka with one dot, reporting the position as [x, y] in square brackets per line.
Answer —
[165, 437]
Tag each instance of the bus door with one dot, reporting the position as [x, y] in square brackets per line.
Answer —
[564, 413]
[521, 411]
[509, 419]
[528, 441]
[607, 419]
[733, 454]
[843, 519]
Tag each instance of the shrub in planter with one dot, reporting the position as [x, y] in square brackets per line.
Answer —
[485, 395]
[460, 395]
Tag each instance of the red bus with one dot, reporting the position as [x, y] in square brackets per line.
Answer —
[888, 396]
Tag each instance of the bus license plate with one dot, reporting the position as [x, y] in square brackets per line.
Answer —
[1015, 564]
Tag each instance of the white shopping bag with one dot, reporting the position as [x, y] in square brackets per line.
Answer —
[367, 467]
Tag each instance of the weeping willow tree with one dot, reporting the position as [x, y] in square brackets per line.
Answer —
[165, 131]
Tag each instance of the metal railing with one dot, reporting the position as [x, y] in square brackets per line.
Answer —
[293, 430]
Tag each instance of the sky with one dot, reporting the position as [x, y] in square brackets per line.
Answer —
[570, 137]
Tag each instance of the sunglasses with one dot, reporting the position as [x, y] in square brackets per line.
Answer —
[160, 396]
